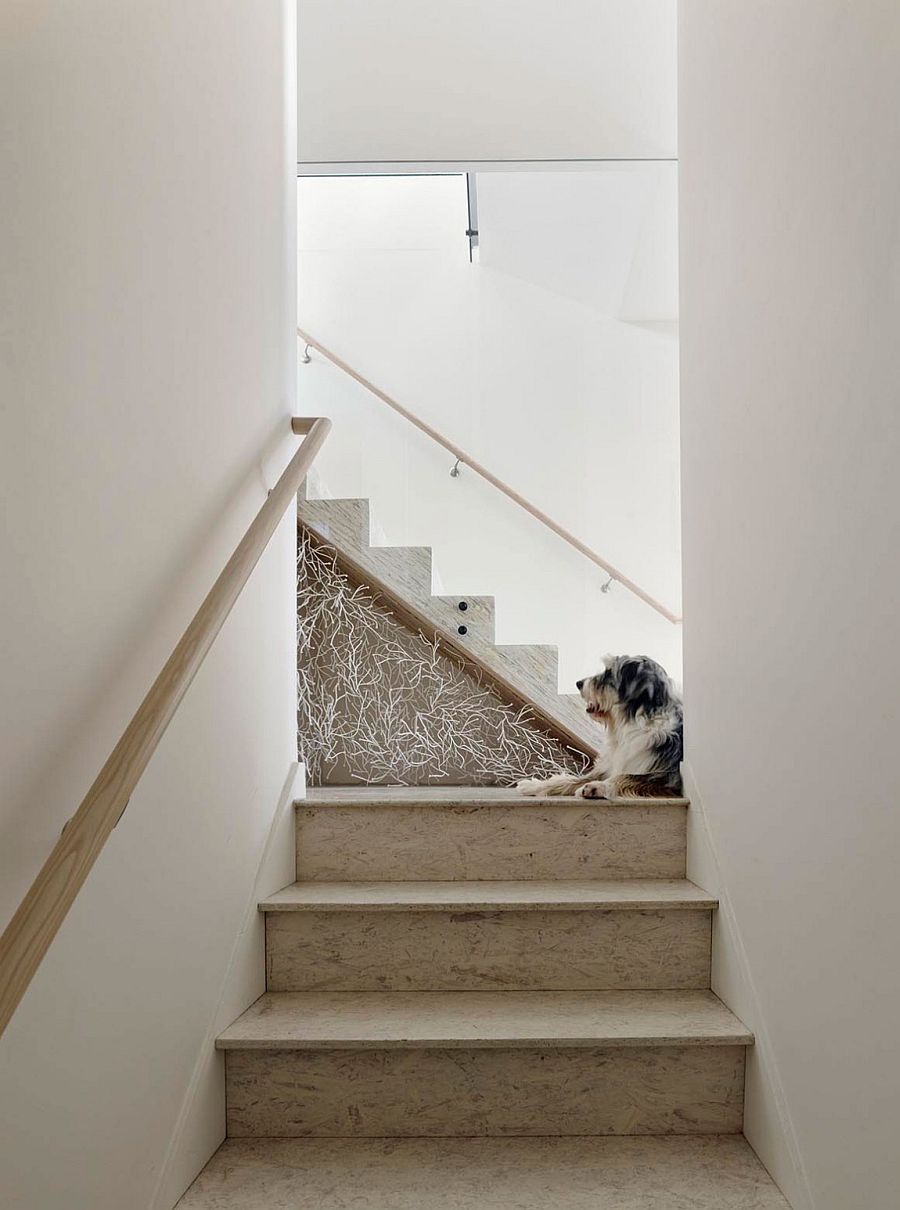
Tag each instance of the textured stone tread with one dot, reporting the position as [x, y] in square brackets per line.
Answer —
[638, 894]
[714, 1172]
[379, 1020]
[463, 796]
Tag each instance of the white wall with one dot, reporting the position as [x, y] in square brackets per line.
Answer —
[407, 80]
[790, 305]
[525, 361]
[146, 377]
[607, 238]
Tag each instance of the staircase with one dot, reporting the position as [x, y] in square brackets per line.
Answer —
[476, 999]
[481, 1000]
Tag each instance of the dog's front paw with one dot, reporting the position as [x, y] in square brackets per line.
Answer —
[531, 785]
[594, 789]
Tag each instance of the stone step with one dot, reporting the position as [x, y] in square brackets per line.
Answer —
[484, 1063]
[342, 523]
[715, 1172]
[487, 936]
[421, 1020]
[407, 569]
[538, 663]
[609, 895]
[375, 834]
[476, 614]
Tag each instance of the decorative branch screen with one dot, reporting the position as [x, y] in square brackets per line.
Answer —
[381, 704]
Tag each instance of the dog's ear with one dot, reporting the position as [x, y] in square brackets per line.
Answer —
[642, 685]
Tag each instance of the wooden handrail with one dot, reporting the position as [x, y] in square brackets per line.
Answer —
[510, 492]
[42, 911]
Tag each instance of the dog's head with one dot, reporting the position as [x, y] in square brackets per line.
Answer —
[627, 685]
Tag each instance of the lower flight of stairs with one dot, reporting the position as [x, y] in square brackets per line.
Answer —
[480, 1000]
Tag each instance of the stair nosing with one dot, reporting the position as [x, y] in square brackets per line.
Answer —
[238, 1037]
[333, 796]
[469, 896]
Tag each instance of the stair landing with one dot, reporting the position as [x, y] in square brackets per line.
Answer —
[715, 1172]
[459, 796]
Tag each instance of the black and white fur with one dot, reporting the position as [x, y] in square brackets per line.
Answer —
[637, 703]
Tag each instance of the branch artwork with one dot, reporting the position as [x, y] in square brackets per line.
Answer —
[381, 704]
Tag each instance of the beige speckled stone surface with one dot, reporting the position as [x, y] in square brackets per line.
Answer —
[282, 1020]
[478, 615]
[461, 1092]
[344, 523]
[457, 796]
[405, 569]
[715, 1172]
[608, 895]
[477, 949]
[456, 836]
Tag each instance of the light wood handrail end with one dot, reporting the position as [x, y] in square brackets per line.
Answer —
[301, 425]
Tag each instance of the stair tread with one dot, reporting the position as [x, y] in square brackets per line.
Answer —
[707, 1172]
[606, 895]
[378, 1020]
[463, 796]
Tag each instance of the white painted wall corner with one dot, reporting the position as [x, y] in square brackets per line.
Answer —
[298, 786]
[768, 1125]
[244, 981]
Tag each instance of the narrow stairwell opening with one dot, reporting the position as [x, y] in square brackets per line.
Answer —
[474, 998]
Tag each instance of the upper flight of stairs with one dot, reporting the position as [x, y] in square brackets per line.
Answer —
[526, 673]
[481, 1000]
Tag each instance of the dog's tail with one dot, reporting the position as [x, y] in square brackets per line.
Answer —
[648, 785]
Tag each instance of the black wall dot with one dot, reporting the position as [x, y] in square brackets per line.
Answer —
[463, 605]
[462, 630]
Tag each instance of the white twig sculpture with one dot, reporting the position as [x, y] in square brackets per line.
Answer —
[382, 704]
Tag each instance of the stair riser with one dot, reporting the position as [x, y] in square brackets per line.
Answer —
[571, 839]
[342, 522]
[455, 1093]
[406, 570]
[477, 617]
[487, 951]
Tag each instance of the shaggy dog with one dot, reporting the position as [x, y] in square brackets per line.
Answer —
[637, 703]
